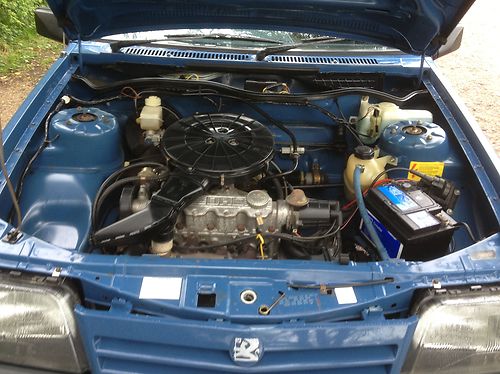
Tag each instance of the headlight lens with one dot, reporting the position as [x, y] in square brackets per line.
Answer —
[37, 327]
[457, 333]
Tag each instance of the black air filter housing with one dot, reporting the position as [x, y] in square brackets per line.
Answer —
[219, 145]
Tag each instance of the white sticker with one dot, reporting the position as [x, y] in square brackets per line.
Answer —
[345, 295]
[423, 219]
[161, 288]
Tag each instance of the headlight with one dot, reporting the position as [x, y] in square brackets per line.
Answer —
[458, 332]
[37, 327]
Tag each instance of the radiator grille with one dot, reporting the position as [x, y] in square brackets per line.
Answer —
[126, 343]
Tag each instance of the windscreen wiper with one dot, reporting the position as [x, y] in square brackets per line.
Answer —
[260, 55]
[116, 45]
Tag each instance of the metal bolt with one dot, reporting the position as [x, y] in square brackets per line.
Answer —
[264, 310]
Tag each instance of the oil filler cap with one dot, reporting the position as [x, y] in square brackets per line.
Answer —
[363, 152]
[258, 199]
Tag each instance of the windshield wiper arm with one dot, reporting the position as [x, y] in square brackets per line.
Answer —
[116, 45]
[260, 55]
[245, 38]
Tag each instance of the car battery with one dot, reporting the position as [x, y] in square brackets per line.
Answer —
[410, 224]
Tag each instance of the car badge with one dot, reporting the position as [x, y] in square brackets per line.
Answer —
[246, 351]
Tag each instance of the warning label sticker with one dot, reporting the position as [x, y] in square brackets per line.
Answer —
[431, 168]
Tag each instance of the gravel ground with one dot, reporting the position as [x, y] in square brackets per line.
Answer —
[473, 70]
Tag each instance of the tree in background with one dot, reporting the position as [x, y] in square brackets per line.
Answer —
[16, 19]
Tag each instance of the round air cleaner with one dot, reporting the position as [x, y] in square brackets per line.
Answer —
[219, 144]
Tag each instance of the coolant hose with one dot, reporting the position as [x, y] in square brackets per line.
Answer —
[364, 213]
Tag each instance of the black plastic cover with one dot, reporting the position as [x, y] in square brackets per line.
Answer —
[218, 145]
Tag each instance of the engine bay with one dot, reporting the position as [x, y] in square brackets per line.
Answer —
[231, 166]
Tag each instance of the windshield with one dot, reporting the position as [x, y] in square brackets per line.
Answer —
[242, 39]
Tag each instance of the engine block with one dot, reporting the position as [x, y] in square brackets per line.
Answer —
[227, 213]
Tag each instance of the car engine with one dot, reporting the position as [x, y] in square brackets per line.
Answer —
[227, 166]
[209, 203]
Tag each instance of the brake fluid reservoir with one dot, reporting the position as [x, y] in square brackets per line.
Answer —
[374, 118]
[415, 141]
[363, 155]
[151, 118]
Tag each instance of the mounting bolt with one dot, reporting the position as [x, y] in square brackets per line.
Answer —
[12, 237]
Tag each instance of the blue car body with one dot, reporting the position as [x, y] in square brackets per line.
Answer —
[309, 331]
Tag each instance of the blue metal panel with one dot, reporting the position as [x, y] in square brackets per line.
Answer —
[403, 65]
[120, 341]
[104, 278]
[421, 27]
[60, 189]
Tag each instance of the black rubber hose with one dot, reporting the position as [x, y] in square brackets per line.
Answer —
[114, 176]
[279, 190]
[113, 188]
[276, 123]
[177, 84]
[468, 230]
[332, 116]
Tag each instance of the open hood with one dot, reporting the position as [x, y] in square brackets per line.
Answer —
[413, 26]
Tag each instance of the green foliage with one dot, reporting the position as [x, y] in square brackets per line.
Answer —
[20, 45]
[30, 52]
[16, 19]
